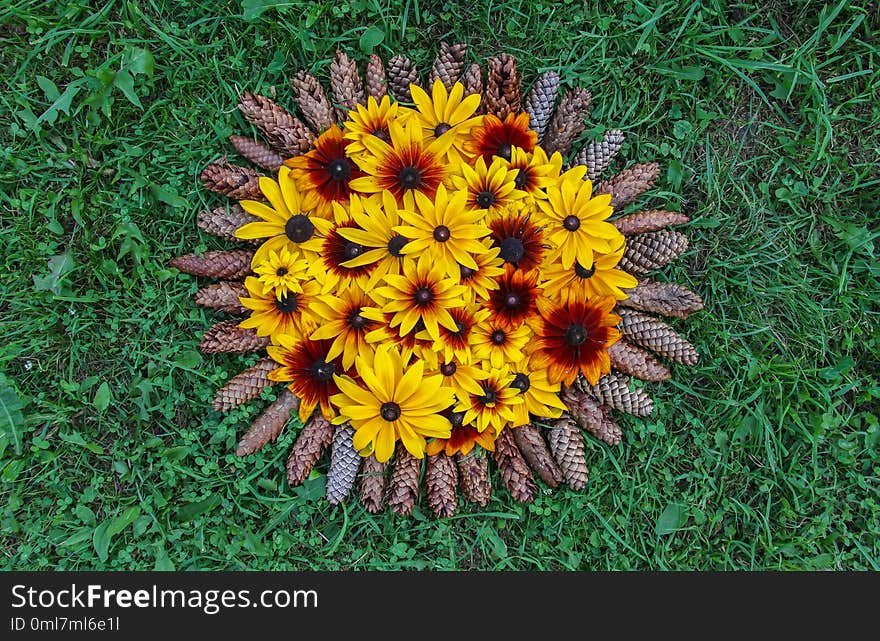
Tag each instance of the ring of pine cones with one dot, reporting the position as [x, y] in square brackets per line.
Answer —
[552, 450]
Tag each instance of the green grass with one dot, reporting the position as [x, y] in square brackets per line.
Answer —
[765, 118]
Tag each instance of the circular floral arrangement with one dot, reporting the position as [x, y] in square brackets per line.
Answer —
[431, 282]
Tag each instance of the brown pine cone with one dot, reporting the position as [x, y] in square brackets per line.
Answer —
[473, 478]
[313, 102]
[635, 361]
[285, 132]
[613, 390]
[372, 484]
[668, 299]
[568, 122]
[653, 334]
[448, 65]
[650, 220]
[375, 81]
[592, 416]
[403, 487]
[629, 184]
[226, 337]
[269, 424]
[502, 93]
[344, 465]
[222, 177]
[232, 265]
[257, 153]
[472, 79]
[567, 446]
[401, 74]
[597, 156]
[345, 82]
[223, 221]
[441, 479]
[652, 250]
[530, 442]
[315, 436]
[223, 296]
[515, 471]
[541, 100]
[245, 386]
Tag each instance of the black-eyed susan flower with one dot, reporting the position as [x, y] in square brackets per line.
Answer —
[341, 319]
[372, 120]
[494, 408]
[496, 138]
[444, 229]
[480, 281]
[540, 396]
[464, 379]
[574, 338]
[519, 240]
[274, 316]
[325, 172]
[447, 114]
[334, 269]
[462, 440]
[282, 271]
[423, 293]
[515, 299]
[534, 171]
[307, 367]
[579, 283]
[498, 345]
[576, 222]
[487, 189]
[455, 344]
[391, 402]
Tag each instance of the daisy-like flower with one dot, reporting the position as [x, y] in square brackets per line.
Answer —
[274, 316]
[422, 292]
[406, 166]
[456, 344]
[497, 138]
[516, 298]
[575, 338]
[462, 439]
[479, 282]
[487, 189]
[285, 223]
[499, 345]
[576, 221]
[324, 173]
[334, 270]
[282, 271]
[519, 240]
[495, 407]
[393, 401]
[341, 319]
[447, 114]
[540, 396]
[308, 369]
[464, 379]
[534, 171]
[583, 283]
[371, 121]
[445, 230]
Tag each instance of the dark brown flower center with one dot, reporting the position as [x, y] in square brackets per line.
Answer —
[352, 250]
[441, 233]
[504, 150]
[499, 337]
[485, 199]
[441, 129]
[521, 382]
[281, 271]
[512, 300]
[575, 335]
[583, 272]
[512, 250]
[571, 223]
[489, 395]
[339, 169]
[390, 411]
[457, 419]
[396, 244]
[423, 296]
[521, 180]
[287, 304]
[466, 272]
[356, 321]
[448, 369]
[299, 228]
[409, 177]
[382, 134]
[322, 371]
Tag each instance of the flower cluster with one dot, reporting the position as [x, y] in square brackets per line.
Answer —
[431, 276]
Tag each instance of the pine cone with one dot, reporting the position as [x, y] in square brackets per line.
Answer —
[530, 442]
[312, 101]
[345, 82]
[613, 390]
[257, 153]
[668, 299]
[568, 122]
[653, 334]
[502, 93]
[441, 479]
[223, 222]
[269, 424]
[541, 100]
[244, 386]
[226, 337]
[650, 220]
[344, 465]
[591, 415]
[473, 478]
[597, 156]
[515, 471]
[315, 436]
[567, 446]
[223, 296]
[448, 65]
[629, 184]
[472, 79]
[222, 177]
[403, 488]
[372, 484]
[635, 361]
[232, 265]
[375, 82]
[401, 74]
[285, 132]
[652, 250]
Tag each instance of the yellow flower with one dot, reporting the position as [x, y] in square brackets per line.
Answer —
[335, 269]
[464, 379]
[372, 120]
[274, 316]
[283, 271]
[447, 114]
[392, 401]
[488, 189]
[583, 283]
[305, 365]
[540, 396]
[456, 343]
[498, 345]
[494, 407]
[341, 319]
[534, 171]
[480, 281]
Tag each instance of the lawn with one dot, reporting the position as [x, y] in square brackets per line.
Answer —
[765, 120]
